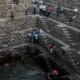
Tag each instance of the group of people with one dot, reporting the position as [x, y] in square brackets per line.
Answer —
[42, 9]
[59, 10]
[33, 37]
[16, 1]
[51, 49]
[13, 58]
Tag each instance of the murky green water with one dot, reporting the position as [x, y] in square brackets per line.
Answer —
[27, 71]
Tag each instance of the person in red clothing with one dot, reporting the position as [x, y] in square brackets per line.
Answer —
[49, 9]
[53, 74]
[70, 20]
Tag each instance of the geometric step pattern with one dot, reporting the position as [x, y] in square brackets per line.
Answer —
[68, 36]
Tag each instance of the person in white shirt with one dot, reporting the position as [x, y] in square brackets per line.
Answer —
[29, 36]
[41, 9]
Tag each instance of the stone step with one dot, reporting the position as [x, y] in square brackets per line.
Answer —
[48, 30]
[73, 44]
[67, 34]
[45, 40]
[70, 40]
[69, 37]
[64, 29]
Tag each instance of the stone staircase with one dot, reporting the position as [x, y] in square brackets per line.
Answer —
[19, 10]
[68, 36]
[72, 53]
[64, 18]
[15, 33]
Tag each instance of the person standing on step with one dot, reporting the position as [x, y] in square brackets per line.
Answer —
[53, 74]
[36, 37]
[35, 8]
[34, 32]
[49, 9]
[72, 18]
[29, 36]
[26, 10]
[58, 11]
[12, 57]
[51, 49]
[48, 47]
[12, 16]
[44, 9]
[54, 52]
[41, 9]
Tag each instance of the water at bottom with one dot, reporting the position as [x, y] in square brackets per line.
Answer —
[27, 71]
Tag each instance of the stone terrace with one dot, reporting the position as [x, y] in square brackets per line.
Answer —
[15, 33]
[19, 10]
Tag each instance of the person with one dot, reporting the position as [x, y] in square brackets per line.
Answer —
[74, 16]
[12, 57]
[29, 36]
[47, 47]
[61, 9]
[26, 10]
[16, 1]
[12, 16]
[49, 10]
[41, 9]
[71, 18]
[53, 74]
[44, 9]
[36, 37]
[6, 65]
[54, 52]
[58, 11]
[51, 50]
[35, 8]
[34, 32]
